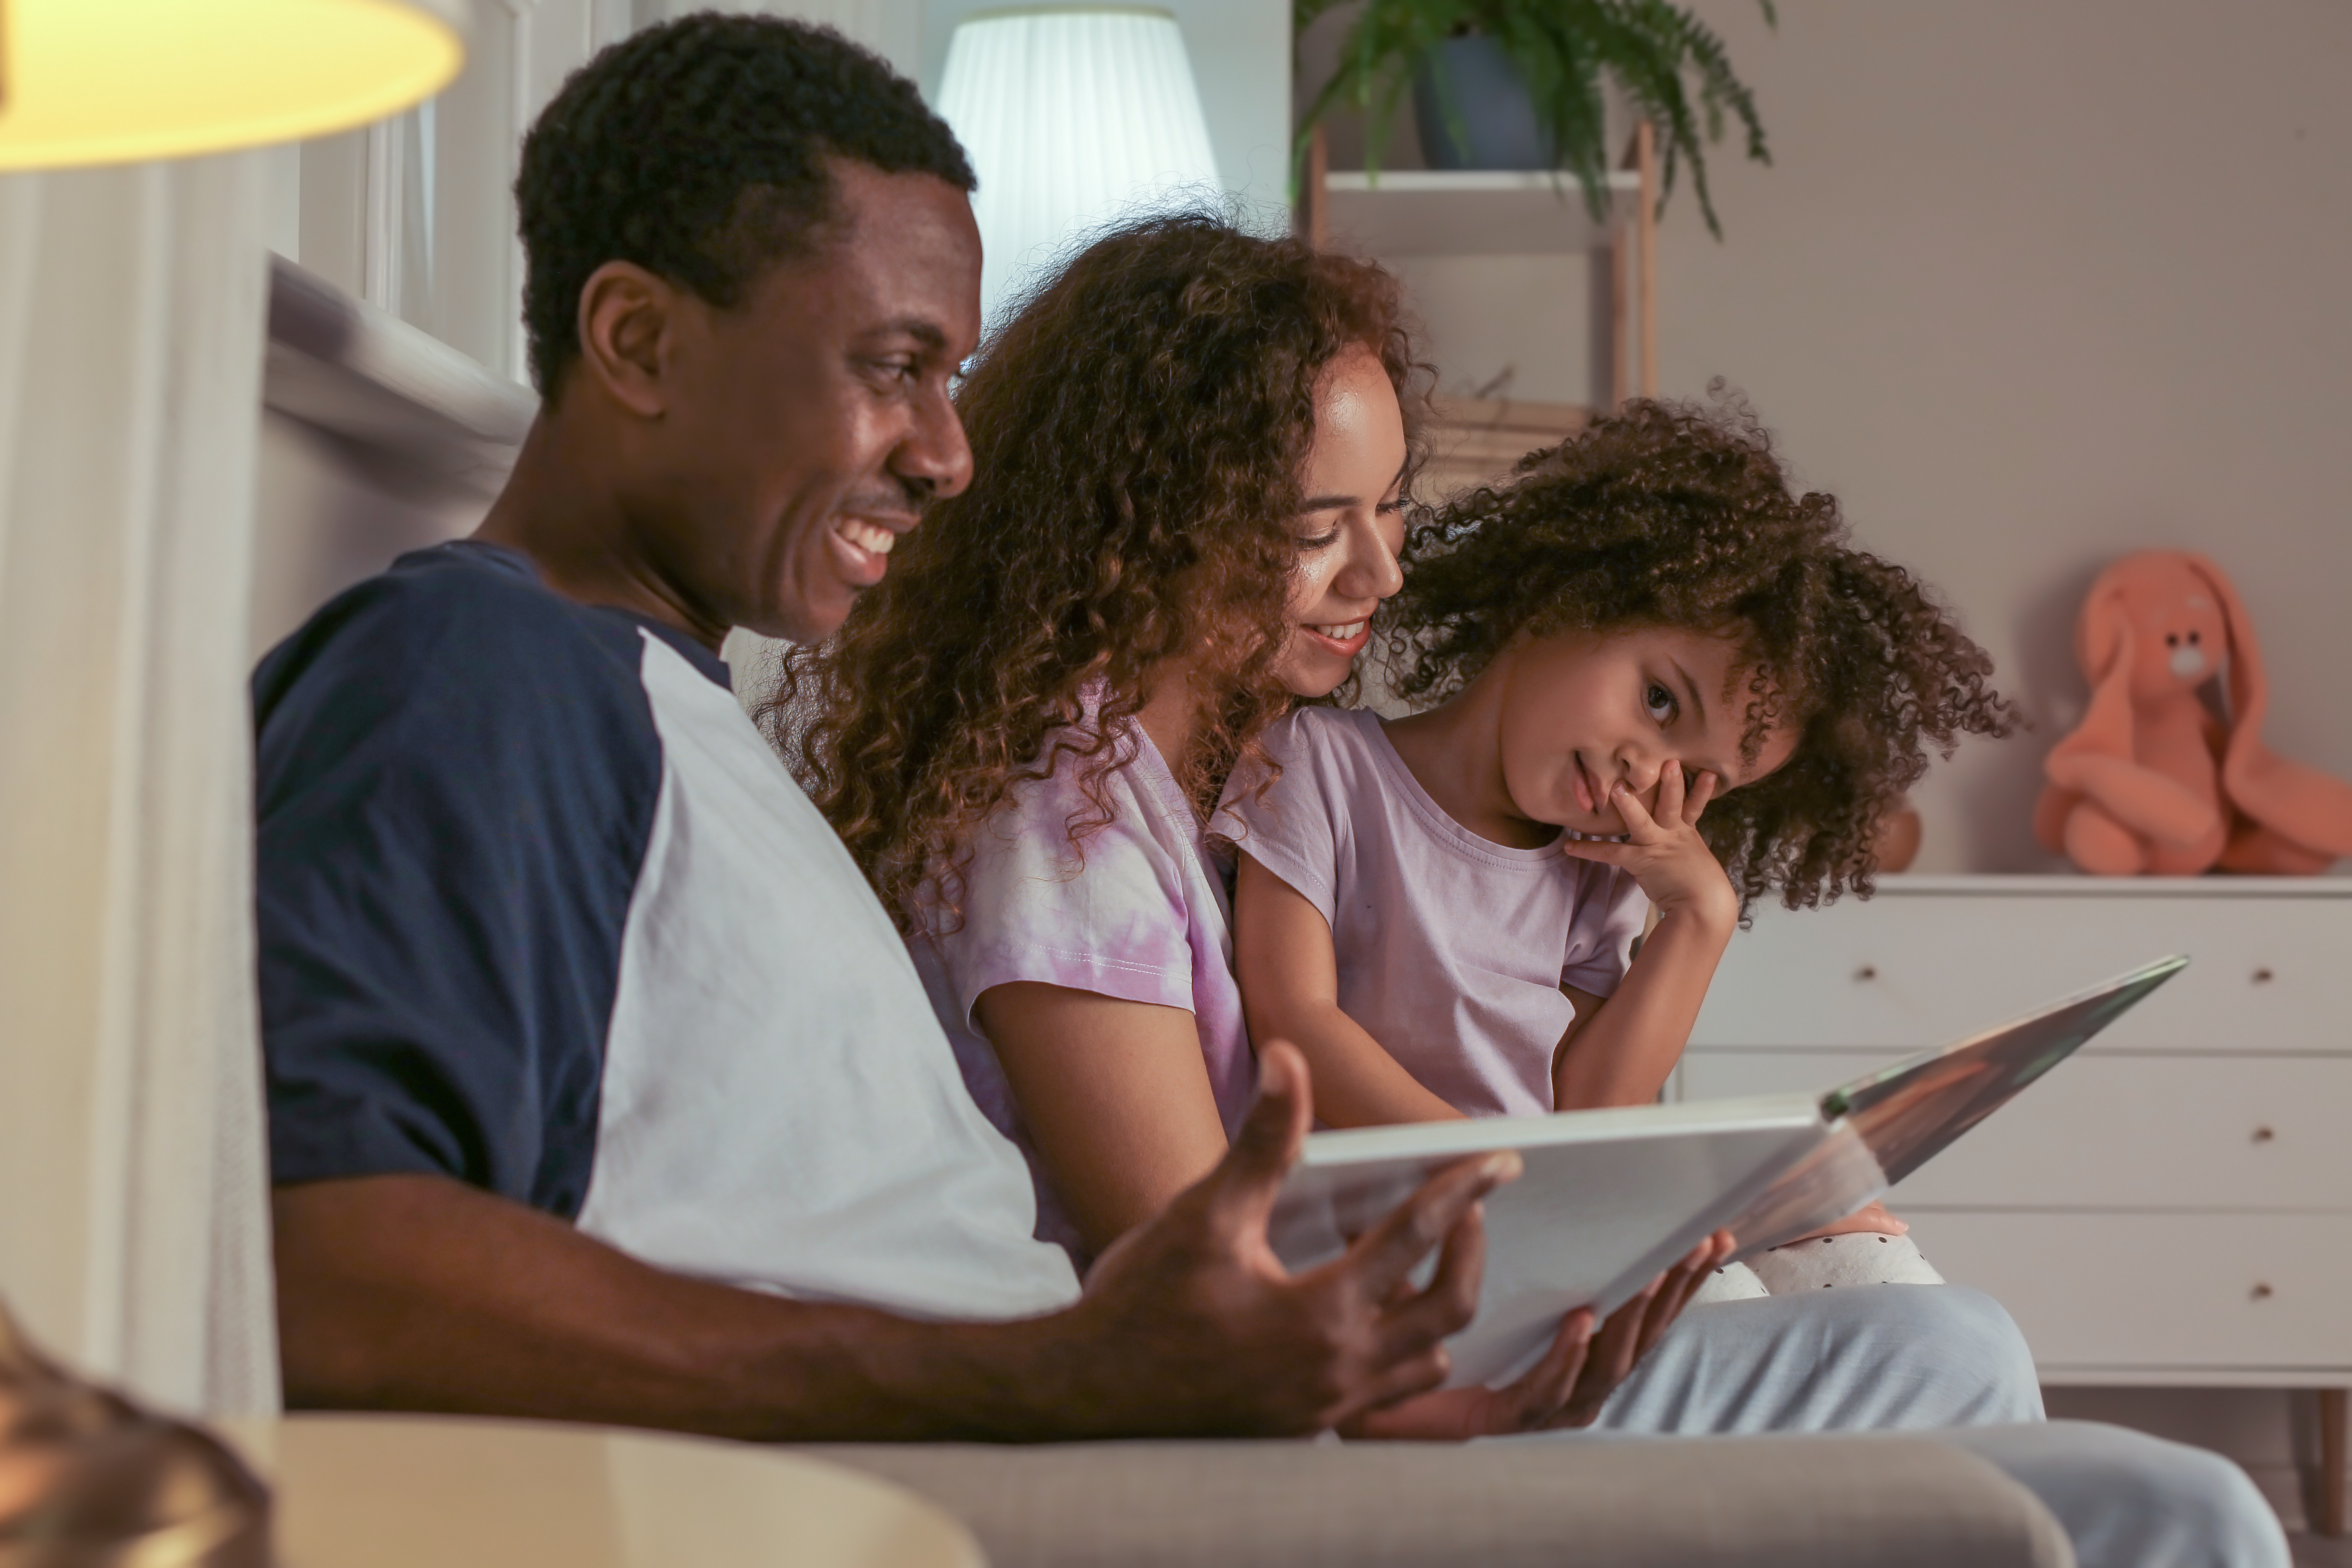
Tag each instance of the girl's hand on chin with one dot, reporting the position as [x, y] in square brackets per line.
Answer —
[1669, 860]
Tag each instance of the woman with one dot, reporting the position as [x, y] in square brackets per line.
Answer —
[1192, 451]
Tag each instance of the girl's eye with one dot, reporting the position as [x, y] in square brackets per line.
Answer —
[1659, 701]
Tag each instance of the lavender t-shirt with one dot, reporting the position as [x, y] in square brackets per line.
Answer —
[1144, 916]
[1452, 950]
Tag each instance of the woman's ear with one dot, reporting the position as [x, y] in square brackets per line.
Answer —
[626, 317]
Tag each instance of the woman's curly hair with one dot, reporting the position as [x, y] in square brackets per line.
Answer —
[1138, 432]
[1678, 515]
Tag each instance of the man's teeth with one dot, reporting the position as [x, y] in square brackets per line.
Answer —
[866, 536]
[1341, 634]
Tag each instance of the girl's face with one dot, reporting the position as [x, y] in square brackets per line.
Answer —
[1583, 710]
[1352, 525]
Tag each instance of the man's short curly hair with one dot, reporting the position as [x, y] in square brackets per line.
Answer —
[1678, 515]
[697, 149]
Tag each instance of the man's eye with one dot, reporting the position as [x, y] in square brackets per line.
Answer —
[1659, 701]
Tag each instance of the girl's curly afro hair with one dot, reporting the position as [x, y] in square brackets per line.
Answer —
[1679, 515]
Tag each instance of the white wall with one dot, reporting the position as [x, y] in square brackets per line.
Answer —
[2032, 286]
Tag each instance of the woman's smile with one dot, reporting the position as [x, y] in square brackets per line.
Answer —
[1347, 641]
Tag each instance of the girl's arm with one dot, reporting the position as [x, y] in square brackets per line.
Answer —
[1114, 1094]
[1622, 1048]
[1618, 1052]
[1290, 991]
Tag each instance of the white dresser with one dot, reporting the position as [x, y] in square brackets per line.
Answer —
[2173, 1205]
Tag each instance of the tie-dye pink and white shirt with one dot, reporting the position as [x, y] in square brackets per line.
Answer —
[1140, 910]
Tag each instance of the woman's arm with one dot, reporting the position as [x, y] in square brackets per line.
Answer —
[1115, 1096]
[1290, 991]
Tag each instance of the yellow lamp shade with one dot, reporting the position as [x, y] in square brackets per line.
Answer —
[113, 81]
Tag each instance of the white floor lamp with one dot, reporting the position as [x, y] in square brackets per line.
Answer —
[1074, 116]
[133, 1224]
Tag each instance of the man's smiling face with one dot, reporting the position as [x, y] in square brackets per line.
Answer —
[807, 426]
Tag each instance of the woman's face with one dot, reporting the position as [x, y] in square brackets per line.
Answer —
[1351, 528]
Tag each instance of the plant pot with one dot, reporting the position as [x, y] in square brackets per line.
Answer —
[1490, 103]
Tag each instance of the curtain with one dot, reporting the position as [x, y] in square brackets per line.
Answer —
[133, 1224]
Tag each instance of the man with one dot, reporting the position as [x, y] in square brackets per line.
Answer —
[600, 1085]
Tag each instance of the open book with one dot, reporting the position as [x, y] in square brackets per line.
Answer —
[1609, 1198]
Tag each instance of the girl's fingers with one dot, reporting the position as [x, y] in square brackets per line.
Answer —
[1639, 823]
[1605, 850]
[1702, 792]
[1672, 787]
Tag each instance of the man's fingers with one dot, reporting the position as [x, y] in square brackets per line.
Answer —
[1440, 1308]
[1405, 1379]
[1550, 1385]
[1388, 1252]
[1682, 1282]
[1241, 1188]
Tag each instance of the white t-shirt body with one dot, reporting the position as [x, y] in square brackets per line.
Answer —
[1452, 950]
[541, 912]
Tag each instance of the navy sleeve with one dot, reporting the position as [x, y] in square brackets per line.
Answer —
[456, 777]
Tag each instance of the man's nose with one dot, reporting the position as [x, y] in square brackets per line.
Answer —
[935, 459]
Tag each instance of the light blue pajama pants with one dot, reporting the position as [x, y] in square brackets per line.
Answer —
[1944, 1362]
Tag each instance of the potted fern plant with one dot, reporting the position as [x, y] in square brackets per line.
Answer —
[1522, 84]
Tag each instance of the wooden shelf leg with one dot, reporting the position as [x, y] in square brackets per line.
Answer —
[1620, 358]
[1646, 223]
[2329, 1519]
[1314, 197]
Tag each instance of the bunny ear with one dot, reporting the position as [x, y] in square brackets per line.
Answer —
[2099, 629]
[2249, 685]
[2103, 646]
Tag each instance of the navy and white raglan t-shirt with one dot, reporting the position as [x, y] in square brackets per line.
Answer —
[540, 910]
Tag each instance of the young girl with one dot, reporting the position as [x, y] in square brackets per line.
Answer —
[1651, 662]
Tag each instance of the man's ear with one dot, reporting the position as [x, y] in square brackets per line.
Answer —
[628, 319]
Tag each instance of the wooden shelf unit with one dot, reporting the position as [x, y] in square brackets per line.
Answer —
[1504, 212]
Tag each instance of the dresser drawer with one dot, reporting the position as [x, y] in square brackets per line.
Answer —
[2114, 1132]
[1906, 970]
[2093, 1292]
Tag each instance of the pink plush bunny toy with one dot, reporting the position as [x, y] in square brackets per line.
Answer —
[2153, 781]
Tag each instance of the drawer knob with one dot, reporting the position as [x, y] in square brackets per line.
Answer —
[2264, 1134]
[1867, 972]
[2263, 976]
[2260, 1291]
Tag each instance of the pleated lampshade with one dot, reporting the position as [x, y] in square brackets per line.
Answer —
[115, 81]
[1074, 117]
